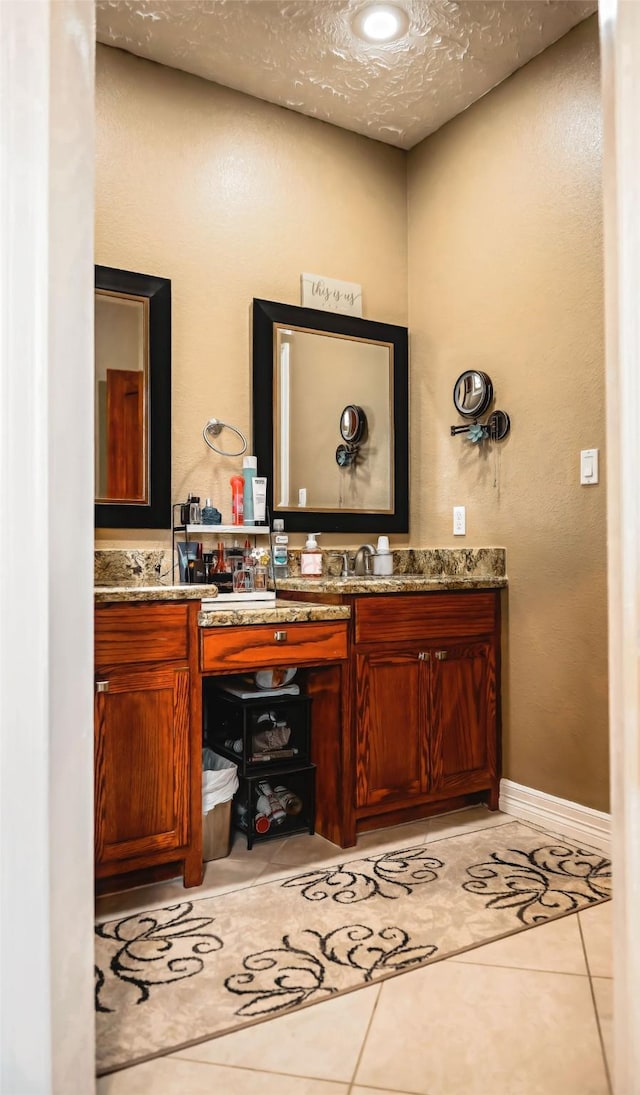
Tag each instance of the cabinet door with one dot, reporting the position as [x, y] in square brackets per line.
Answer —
[391, 748]
[141, 765]
[462, 716]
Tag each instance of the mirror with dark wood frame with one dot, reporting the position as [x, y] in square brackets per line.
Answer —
[309, 368]
[132, 399]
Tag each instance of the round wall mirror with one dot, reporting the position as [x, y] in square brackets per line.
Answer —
[353, 423]
[472, 393]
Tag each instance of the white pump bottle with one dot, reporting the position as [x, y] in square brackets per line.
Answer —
[311, 558]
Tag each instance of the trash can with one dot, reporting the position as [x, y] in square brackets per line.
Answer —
[219, 785]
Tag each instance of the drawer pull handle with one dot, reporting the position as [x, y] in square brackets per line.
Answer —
[102, 686]
[441, 655]
[423, 656]
[280, 636]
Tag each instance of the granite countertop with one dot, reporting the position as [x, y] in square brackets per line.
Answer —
[278, 612]
[283, 612]
[124, 593]
[396, 583]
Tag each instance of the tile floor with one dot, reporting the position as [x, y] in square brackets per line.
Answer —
[525, 1015]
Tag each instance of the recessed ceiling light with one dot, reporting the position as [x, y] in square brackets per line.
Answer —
[381, 23]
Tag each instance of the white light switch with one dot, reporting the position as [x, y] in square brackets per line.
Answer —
[589, 466]
[459, 521]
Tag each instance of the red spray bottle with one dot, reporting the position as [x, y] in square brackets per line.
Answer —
[237, 503]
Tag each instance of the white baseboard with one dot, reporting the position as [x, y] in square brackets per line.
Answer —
[570, 819]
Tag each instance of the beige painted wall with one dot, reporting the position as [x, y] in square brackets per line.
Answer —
[233, 198]
[505, 275]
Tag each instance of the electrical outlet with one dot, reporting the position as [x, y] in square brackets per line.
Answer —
[459, 521]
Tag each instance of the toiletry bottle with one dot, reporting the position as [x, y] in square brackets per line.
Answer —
[237, 505]
[259, 485]
[311, 558]
[249, 472]
[222, 571]
[383, 559]
[210, 515]
[220, 567]
[280, 550]
[194, 509]
[209, 566]
[274, 809]
[262, 823]
[234, 557]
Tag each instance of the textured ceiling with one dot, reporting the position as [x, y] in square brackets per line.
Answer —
[302, 54]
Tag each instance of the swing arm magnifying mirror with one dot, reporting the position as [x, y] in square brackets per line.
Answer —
[472, 396]
[472, 393]
[353, 430]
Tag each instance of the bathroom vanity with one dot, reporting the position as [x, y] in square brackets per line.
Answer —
[150, 657]
[403, 674]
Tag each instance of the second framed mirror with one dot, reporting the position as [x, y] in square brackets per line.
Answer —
[313, 370]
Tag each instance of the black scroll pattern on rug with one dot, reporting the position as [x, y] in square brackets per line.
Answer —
[158, 947]
[552, 879]
[393, 874]
[300, 970]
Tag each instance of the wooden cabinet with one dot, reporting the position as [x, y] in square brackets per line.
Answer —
[461, 718]
[426, 700]
[426, 722]
[141, 763]
[421, 713]
[391, 762]
[147, 742]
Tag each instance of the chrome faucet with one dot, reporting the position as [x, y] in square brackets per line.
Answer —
[364, 554]
[344, 555]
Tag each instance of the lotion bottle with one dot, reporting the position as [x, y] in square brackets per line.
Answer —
[311, 558]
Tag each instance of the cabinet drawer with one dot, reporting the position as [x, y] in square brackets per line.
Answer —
[134, 634]
[387, 618]
[235, 649]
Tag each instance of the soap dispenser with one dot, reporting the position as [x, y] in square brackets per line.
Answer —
[311, 558]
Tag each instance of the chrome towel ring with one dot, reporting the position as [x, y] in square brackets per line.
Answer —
[213, 428]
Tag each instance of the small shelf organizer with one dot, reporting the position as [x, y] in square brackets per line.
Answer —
[269, 738]
[241, 532]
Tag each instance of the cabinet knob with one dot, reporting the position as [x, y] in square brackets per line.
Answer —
[423, 656]
[280, 636]
[441, 655]
[102, 686]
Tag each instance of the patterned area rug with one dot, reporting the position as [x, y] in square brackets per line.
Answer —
[185, 973]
